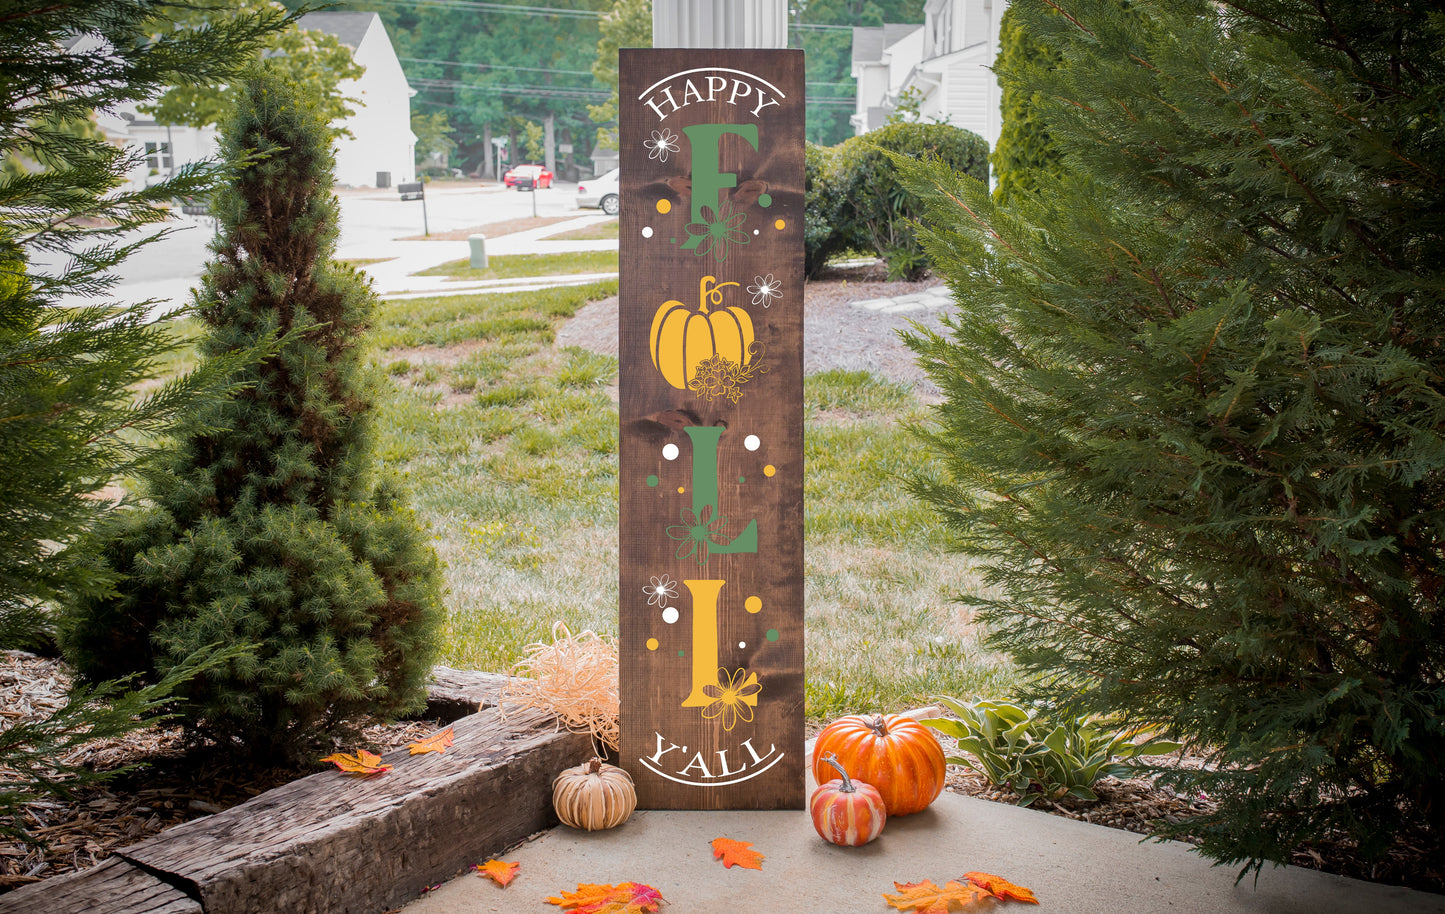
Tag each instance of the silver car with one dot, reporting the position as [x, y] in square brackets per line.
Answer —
[600, 192]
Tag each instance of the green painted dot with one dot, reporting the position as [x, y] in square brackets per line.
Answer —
[765, 200]
[742, 479]
[682, 653]
[673, 240]
[652, 480]
[772, 634]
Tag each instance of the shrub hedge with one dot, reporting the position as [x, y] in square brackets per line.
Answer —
[855, 201]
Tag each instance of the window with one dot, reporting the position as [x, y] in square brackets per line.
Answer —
[158, 156]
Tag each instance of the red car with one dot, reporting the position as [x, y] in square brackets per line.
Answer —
[524, 176]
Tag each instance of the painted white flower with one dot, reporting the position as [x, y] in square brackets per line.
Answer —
[764, 289]
[662, 144]
[660, 590]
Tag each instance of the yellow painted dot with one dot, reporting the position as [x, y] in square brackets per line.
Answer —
[769, 470]
[664, 206]
[780, 225]
[652, 644]
[681, 490]
[753, 604]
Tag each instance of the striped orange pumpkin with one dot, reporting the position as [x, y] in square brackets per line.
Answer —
[845, 811]
[896, 754]
[681, 338]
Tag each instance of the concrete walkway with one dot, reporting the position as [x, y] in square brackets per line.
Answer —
[1072, 867]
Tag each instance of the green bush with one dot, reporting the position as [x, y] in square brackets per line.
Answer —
[1024, 150]
[854, 200]
[273, 526]
[1035, 757]
[1194, 427]
[823, 201]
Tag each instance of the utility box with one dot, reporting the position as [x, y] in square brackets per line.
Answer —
[479, 251]
[383, 179]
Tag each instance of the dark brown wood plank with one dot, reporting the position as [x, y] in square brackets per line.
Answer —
[333, 843]
[712, 150]
[114, 886]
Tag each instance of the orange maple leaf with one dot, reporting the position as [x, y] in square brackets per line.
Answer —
[499, 872]
[927, 898]
[362, 763]
[437, 742]
[1001, 888]
[736, 853]
[627, 898]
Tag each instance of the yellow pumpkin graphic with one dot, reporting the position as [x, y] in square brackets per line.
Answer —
[681, 338]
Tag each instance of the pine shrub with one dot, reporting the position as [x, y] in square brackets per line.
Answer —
[1194, 414]
[274, 526]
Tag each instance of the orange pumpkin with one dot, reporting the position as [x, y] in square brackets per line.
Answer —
[847, 812]
[895, 754]
[682, 338]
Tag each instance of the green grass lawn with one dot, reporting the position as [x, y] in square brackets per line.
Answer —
[509, 445]
[513, 266]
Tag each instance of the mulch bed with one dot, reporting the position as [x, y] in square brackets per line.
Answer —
[179, 781]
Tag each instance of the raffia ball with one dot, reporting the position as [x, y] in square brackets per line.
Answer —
[594, 795]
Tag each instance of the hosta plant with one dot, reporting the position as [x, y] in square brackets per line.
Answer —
[1022, 749]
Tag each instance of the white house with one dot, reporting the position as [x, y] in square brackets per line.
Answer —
[944, 63]
[381, 151]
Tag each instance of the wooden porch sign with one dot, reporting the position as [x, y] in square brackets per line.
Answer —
[711, 484]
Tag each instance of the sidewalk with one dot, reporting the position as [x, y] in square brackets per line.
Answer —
[1072, 867]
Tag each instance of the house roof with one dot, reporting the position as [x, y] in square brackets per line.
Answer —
[867, 44]
[870, 43]
[348, 27]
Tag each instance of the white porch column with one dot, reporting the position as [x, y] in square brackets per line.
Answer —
[719, 24]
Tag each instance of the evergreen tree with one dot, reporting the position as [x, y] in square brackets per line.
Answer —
[1194, 408]
[274, 526]
[70, 421]
[1024, 150]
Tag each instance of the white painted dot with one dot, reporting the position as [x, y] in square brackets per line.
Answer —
[669, 451]
[647, 231]
[752, 442]
[755, 231]
[742, 644]
[669, 615]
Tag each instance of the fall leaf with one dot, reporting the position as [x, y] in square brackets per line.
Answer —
[437, 742]
[736, 853]
[497, 871]
[927, 898]
[627, 898]
[363, 763]
[1001, 888]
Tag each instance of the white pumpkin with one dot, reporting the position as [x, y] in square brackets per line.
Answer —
[594, 795]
